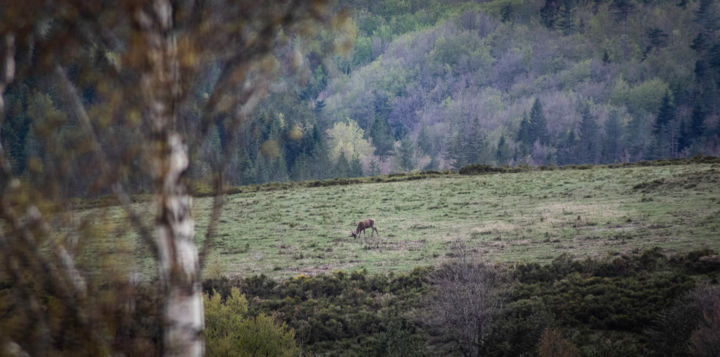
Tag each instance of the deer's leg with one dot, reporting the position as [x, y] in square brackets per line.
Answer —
[375, 229]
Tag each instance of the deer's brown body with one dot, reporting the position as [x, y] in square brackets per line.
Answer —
[368, 223]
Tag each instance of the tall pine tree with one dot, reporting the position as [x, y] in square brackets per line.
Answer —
[665, 129]
[589, 143]
[612, 139]
[538, 124]
[382, 138]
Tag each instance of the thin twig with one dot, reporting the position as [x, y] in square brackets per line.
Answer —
[101, 157]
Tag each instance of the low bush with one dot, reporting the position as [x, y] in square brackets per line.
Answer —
[626, 304]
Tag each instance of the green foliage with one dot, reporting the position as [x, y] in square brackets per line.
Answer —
[356, 169]
[231, 331]
[409, 57]
[537, 124]
[611, 141]
[347, 138]
[341, 313]
[382, 137]
[645, 97]
[406, 154]
[617, 304]
[342, 166]
[589, 137]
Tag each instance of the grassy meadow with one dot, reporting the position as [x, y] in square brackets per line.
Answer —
[528, 216]
[512, 217]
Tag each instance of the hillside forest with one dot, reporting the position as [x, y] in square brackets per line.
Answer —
[425, 85]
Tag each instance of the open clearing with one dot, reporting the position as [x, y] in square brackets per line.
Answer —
[529, 216]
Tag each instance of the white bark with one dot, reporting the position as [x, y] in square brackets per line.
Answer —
[178, 259]
[178, 262]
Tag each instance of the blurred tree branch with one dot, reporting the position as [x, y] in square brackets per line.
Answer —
[127, 73]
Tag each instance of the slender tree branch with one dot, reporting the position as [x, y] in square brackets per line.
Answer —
[7, 74]
[101, 157]
[217, 205]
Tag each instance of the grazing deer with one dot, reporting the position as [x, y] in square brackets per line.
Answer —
[368, 223]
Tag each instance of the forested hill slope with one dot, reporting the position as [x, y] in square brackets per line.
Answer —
[441, 84]
[538, 82]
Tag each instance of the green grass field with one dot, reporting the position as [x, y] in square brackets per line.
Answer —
[510, 217]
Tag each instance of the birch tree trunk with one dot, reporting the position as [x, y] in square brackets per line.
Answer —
[178, 264]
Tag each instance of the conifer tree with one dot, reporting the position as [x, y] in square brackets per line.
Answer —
[374, 168]
[356, 169]
[538, 124]
[502, 154]
[342, 166]
[589, 143]
[566, 153]
[382, 138]
[524, 135]
[664, 129]
[406, 153]
[423, 141]
[611, 144]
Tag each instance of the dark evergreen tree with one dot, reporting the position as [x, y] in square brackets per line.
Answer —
[319, 107]
[549, 12]
[502, 154]
[700, 44]
[342, 166]
[423, 142]
[657, 38]
[301, 170]
[321, 165]
[382, 138]
[612, 139]
[538, 124]
[567, 149]
[664, 129]
[381, 110]
[589, 138]
[714, 58]
[524, 135]
[606, 57]
[406, 154]
[565, 22]
[706, 16]
[622, 9]
[278, 170]
[692, 131]
[697, 123]
[506, 13]
[374, 168]
[356, 169]
[666, 114]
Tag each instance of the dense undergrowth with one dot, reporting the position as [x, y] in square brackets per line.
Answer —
[620, 305]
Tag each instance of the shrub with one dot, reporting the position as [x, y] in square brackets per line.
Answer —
[230, 331]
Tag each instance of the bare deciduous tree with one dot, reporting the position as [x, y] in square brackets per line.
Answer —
[465, 301]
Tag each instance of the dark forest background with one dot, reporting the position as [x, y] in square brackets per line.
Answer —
[442, 84]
